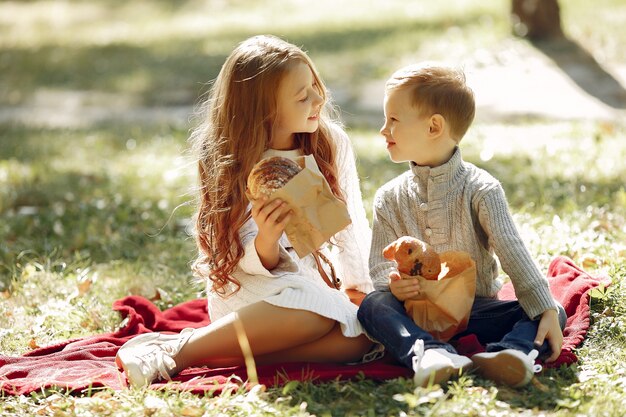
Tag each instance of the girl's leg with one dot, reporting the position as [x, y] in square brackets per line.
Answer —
[268, 328]
[332, 347]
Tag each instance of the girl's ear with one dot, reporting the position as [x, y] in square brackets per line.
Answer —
[437, 124]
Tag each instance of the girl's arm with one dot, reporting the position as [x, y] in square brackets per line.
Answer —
[354, 240]
[271, 218]
[251, 262]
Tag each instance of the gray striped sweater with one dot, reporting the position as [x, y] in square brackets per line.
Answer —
[457, 206]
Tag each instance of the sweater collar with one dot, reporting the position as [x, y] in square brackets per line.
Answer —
[446, 173]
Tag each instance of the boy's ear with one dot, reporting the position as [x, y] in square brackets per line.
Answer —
[437, 124]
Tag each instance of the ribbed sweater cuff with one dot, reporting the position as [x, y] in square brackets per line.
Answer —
[536, 302]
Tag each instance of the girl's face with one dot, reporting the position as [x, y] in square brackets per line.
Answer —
[298, 106]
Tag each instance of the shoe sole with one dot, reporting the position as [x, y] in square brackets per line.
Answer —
[438, 376]
[503, 368]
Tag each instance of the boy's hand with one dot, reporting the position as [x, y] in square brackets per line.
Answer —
[550, 329]
[403, 289]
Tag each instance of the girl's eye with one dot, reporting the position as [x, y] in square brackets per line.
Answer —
[304, 99]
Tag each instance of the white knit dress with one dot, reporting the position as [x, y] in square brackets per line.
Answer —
[296, 283]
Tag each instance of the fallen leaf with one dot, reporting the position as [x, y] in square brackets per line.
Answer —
[33, 344]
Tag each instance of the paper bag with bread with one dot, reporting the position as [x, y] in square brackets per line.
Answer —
[317, 213]
[447, 281]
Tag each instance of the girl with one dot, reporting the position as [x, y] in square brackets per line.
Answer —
[267, 100]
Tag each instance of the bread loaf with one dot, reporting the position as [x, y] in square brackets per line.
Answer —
[414, 257]
[270, 174]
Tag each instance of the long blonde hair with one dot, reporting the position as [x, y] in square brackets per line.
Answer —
[240, 113]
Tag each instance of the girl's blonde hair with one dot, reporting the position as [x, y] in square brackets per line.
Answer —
[438, 89]
[238, 119]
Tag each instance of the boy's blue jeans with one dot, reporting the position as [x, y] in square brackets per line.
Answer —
[496, 323]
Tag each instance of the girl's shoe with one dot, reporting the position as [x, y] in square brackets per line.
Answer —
[435, 366]
[509, 366]
[149, 356]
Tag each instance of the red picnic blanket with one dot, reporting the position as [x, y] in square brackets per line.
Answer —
[89, 362]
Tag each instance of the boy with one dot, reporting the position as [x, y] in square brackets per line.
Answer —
[452, 205]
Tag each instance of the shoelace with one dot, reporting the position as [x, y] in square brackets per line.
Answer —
[532, 355]
[160, 361]
[418, 351]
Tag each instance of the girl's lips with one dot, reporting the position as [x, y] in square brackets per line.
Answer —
[314, 117]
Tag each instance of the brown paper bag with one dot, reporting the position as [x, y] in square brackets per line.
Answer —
[443, 306]
[317, 213]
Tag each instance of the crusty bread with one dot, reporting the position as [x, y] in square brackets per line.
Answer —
[270, 174]
[414, 257]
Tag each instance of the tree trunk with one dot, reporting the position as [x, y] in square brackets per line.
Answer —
[536, 19]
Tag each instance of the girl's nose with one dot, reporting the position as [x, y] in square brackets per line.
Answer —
[317, 99]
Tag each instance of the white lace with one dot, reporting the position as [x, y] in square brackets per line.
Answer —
[418, 351]
[532, 355]
[158, 362]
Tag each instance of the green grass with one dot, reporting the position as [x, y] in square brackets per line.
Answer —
[90, 213]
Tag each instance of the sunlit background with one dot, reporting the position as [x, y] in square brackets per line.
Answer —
[97, 183]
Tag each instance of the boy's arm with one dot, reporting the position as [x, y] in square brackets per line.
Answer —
[382, 235]
[531, 286]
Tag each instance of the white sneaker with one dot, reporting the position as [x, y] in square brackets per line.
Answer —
[509, 366]
[435, 366]
[149, 356]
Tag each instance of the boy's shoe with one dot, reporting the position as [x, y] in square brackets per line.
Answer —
[435, 366]
[149, 356]
[509, 366]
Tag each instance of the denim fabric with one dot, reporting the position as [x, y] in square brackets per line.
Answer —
[496, 323]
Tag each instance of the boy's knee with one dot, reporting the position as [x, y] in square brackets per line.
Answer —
[375, 301]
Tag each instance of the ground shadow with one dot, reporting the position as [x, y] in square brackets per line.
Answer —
[575, 61]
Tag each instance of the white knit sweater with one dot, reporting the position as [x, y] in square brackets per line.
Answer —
[457, 206]
[296, 283]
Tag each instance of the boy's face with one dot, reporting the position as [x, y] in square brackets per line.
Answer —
[405, 131]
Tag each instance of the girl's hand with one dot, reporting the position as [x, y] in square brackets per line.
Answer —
[403, 289]
[271, 219]
[550, 329]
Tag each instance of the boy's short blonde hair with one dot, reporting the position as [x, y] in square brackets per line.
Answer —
[438, 89]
